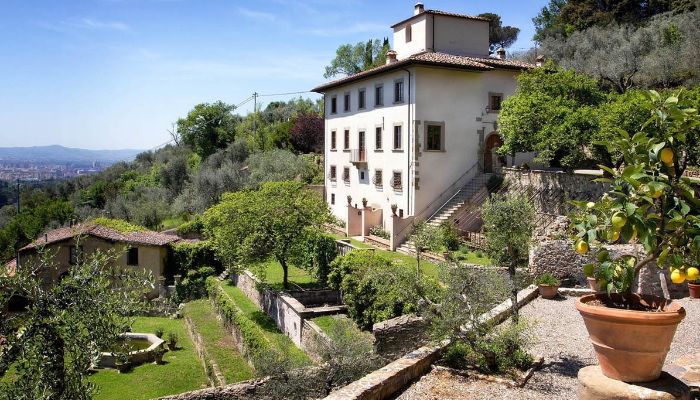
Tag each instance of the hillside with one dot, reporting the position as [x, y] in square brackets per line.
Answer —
[60, 154]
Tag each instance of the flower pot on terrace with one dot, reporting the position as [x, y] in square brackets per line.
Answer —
[694, 289]
[630, 345]
[594, 284]
[548, 291]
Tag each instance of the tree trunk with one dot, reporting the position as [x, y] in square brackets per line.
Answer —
[513, 292]
[285, 270]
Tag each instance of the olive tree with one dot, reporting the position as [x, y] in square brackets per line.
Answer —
[273, 221]
[51, 342]
[508, 225]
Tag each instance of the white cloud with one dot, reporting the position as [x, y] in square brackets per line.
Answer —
[257, 15]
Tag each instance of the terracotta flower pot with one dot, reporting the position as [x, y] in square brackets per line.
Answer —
[631, 346]
[694, 289]
[548, 291]
[594, 285]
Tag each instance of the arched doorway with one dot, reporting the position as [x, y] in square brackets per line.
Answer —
[492, 161]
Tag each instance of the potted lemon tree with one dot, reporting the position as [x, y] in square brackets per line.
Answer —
[650, 205]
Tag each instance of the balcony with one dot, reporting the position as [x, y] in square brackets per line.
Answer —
[358, 157]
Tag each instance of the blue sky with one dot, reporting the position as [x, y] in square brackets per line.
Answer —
[116, 73]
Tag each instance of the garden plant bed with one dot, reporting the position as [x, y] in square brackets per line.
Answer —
[561, 338]
[516, 379]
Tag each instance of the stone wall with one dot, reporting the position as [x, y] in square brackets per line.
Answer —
[556, 188]
[559, 258]
[395, 337]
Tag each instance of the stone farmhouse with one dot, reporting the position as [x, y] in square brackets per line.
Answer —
[416, 137]
[141, 250]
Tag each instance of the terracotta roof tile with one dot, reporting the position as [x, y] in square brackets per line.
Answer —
[444, 13]
[10, 268]
[142, 237]
[432, 58]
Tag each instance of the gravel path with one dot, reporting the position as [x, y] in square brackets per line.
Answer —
[560, 336]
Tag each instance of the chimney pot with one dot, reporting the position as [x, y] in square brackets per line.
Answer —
[501, 53]
[418, 8]
[390, 57]
[539, 61]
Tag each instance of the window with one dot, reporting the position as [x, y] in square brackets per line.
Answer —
[346, 174]
[397, 137]
[495, 100]
[396, 180]
[433, 137]
[333, 140]
[378, 138]
[346, 144]
[362, 175]
[333, 172]
[74, 254]
[408, 33]
[379, 95]
[378, 181]
[132, 256]
[334, 105]
[361, 140]
[346, 102]
[361, 99]
[398, 91]
[332, 198]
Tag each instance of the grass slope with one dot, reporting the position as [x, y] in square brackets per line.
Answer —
[218, 342]
[181, 372]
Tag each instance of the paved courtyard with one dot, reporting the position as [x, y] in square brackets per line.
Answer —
[561, 337]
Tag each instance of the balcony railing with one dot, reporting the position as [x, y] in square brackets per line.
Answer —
[358, 156]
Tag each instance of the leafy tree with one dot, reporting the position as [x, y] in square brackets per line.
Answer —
[547, 23]
[275, 165]
[508, 225]
[273, 221]
[209, 126]
[307, 133]
[351, 59]
[499, 35]
[424, 237]
[554, 112]
[51, 344]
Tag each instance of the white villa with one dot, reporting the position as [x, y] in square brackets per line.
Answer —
[419, 132]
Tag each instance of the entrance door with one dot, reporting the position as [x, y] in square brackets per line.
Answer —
[492, 161]
[362, 145]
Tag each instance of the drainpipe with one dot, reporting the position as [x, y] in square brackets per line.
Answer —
[408, 140]
[325, 156]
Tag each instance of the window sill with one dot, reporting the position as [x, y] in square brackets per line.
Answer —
[334, 149]
[436, 151]
[378, 150]
[346, 150]
[378, 105]
[397, 151]
[399, 102]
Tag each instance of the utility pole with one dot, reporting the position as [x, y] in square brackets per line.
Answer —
[255, 112]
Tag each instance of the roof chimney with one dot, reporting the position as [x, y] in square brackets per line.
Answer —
[390, 57]
[539, 61]
[418, 8]
[501, 53]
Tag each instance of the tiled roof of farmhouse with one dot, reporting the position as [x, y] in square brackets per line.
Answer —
[140, 237]
[445, 13]
[10, 267]
[432, 58]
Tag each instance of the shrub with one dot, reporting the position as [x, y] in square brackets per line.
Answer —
[194, 226]
[192, 285]
[494, 182]
[375, 289]
[191, 256]
[379, 231]
[450, 236]
[159, 332]
[320, 251]
[547, 279]
[172, 340]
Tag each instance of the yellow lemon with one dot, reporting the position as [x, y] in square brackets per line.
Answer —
[613, 236]
[619, 220]
[677, 276]
[692, 274]
[666, 156]
[581, 247]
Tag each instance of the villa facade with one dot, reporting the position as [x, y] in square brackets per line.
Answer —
[409, 134]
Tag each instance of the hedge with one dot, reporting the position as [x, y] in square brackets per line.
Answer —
[253, 338]
[192, 256]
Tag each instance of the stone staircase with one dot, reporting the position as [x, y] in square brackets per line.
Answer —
[463, 198]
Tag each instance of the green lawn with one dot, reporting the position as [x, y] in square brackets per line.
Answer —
[267, 326]
[173, 222]
[271, 273]
[181, 372]
[218, 342]
[332, 323]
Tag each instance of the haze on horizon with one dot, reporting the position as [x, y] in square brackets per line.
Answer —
[115, 74]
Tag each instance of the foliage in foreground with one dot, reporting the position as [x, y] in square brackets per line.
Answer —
[649, 201]
[51, 345]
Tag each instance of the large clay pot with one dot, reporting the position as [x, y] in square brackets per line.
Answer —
[694, 289]
[631, 346]
[548, 291]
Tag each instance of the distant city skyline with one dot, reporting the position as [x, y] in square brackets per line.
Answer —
[114, 74]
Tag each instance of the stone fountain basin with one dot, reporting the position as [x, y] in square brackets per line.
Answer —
[109, 359]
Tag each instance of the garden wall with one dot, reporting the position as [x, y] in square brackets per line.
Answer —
[556, 187]
[397, 336]
[559, 258]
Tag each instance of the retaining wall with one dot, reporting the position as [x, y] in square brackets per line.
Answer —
[395, 337]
